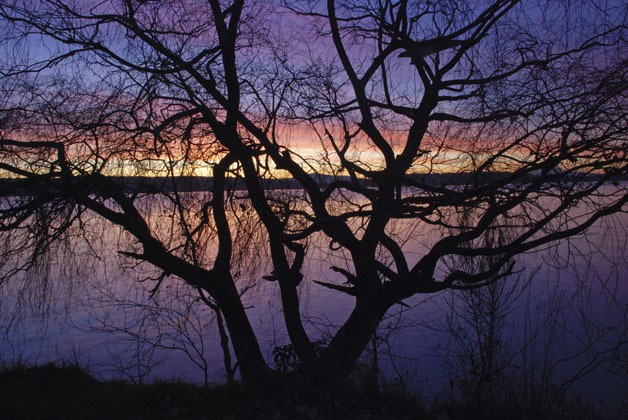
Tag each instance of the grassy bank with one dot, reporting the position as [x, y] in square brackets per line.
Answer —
[67, 392]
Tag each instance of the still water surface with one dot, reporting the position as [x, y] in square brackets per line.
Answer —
[570, 318]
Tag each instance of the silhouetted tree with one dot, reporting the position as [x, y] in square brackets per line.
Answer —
[523, 101]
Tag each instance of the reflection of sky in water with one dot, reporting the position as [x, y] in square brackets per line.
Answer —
[587, 274]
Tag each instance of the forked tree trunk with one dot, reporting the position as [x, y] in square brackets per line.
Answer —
[342, 354]
[245, 345]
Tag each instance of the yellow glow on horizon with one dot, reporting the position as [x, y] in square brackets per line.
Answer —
[311, 147]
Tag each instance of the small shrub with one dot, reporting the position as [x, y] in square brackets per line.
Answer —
[287, 360]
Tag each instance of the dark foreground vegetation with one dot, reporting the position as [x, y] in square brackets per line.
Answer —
[68, 392]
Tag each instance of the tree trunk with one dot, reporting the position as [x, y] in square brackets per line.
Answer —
[340, 357]
[245, 345]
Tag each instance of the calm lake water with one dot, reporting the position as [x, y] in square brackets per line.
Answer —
[566, 317]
